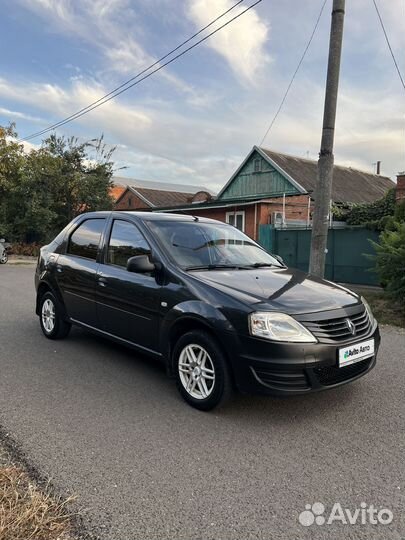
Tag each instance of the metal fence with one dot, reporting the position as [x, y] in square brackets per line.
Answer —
[346, 260]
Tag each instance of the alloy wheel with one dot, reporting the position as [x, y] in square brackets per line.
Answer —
[196, 371]
[48, 315]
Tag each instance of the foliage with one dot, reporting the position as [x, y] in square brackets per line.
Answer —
[41, 191]
[390, 261]
[30, 250]
[372, 215]
[399, 214]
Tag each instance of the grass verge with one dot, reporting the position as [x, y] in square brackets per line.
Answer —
[29, 507]
[30, 513]
[385, 310]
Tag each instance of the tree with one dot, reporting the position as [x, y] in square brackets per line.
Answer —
[11, 160]
[390, 261]
[44, 189]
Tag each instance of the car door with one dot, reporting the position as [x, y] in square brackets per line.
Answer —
[127, 302]
[76, 270]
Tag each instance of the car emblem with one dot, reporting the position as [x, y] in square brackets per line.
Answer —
[351, 327]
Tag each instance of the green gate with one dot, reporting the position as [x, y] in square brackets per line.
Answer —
[346, 260]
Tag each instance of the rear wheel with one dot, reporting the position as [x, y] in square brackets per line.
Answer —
[202, 372]
[4, 257]
[51, 318]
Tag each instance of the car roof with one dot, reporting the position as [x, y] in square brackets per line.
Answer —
[166, 216]
[152, 216]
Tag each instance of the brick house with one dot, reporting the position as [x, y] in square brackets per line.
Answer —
[116, 191]
[270, 186]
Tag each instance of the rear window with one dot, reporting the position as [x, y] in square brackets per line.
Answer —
[85, 239]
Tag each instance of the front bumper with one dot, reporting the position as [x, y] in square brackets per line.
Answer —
[284, 369]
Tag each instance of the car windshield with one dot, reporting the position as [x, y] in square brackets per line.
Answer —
[198, 245]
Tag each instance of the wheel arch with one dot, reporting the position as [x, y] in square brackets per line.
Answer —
[187, 323]
[43, 288]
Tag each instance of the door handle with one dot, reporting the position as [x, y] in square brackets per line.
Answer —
[59, 268]
[102, 281]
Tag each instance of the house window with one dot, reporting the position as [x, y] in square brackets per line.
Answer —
[237, 219]
[257, 165]
[129, 202]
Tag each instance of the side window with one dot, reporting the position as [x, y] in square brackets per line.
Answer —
[126, 241]
[85, 240]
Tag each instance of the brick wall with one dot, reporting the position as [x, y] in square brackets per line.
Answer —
[130, 201]
[400, 190]
[261, 213]
[296, 207]
[220, 215]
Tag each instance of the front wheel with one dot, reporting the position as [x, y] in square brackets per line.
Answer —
[4, 257]
[51, 318]
[202, 372]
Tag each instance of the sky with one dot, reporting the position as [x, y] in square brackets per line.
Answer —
[195, 121]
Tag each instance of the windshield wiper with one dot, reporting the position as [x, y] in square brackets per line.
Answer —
[217, 267]
[262, 265]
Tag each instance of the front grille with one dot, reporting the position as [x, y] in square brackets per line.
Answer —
[282, 379]
[333, 375]
[332, 330]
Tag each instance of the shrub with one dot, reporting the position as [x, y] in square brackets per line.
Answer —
[372, 215]
[399, 214]
[390, 262]
[31, 250]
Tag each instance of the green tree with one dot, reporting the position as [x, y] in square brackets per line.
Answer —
[390, 261]
[11, 161]
[41, 191]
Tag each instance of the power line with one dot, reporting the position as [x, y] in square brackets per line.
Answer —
[294, 74]
[124, 87]
[388, 43]
[137, 75]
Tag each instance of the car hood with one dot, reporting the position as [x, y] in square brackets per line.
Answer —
[284, 289]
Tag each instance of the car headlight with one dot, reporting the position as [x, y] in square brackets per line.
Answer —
[368, 309]
[279, 327]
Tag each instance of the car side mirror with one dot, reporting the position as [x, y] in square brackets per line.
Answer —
[140, 264]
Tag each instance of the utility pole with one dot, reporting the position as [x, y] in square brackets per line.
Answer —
[325, 163]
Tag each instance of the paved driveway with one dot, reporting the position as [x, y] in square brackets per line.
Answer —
[110, 427]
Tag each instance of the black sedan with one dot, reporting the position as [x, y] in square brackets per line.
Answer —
[220, 311]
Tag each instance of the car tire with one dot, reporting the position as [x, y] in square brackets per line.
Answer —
[51, 317]
[201, 370]
[4, 258]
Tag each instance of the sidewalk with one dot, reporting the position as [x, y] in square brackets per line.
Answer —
[21, 259]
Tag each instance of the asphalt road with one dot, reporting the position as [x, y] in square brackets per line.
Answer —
[110, 427]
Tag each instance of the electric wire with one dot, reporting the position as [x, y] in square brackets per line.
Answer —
[294, 74]
[389, 44]
[120, 90]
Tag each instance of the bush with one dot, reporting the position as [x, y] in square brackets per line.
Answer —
[399, 214]
[390, 262]
[30, 250]
[372, 215]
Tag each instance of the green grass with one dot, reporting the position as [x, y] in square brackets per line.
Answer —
[385, 310]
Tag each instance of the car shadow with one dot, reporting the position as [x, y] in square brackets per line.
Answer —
[133, 365]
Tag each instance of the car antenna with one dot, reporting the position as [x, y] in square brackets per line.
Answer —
[195, 218]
